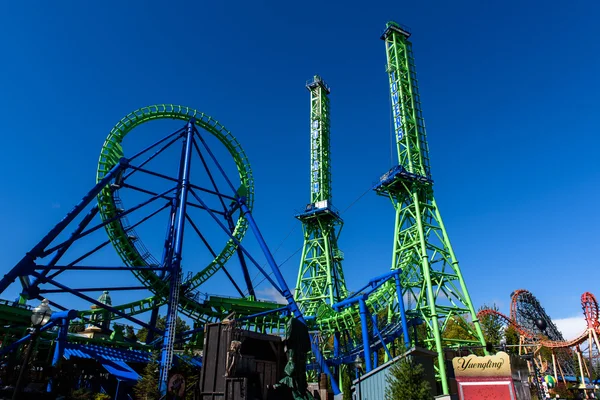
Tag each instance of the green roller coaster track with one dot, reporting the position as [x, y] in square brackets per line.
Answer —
[431, 278]
[132, 251]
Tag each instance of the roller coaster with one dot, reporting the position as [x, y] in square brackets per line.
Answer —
[196, 176]
[536, 330]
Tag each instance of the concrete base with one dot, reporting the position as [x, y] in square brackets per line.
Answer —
[446, 397]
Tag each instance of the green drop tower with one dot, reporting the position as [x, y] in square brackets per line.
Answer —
[431, 278]
[320, 279]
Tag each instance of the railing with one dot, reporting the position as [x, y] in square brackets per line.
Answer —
[15, 304]
[396, 26]
[318, 80]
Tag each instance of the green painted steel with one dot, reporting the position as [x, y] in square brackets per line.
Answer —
[320, 279]
[431, 277]
[320, 142]
[129, 248]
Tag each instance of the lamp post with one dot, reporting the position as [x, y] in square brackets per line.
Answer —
[39, 317]
[503, 343]
[358, 366]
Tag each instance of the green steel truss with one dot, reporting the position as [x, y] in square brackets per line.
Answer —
[432, 282]
[320, 279]
[320, 146]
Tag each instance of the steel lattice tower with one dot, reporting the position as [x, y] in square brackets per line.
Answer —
[431, 277]
[320, 279]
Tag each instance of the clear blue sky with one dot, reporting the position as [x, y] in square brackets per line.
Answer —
[509, 92]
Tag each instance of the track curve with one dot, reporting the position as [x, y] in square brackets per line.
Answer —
[589, 305]
[132, 252]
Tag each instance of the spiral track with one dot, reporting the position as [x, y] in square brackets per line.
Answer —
[552, 338]
[132, 251]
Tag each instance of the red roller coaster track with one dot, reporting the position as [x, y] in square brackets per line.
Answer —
[590, 310]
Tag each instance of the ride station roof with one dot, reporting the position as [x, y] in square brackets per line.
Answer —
[115, 360]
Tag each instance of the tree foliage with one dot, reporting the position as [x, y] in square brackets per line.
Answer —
[86, 394]
[406, 381]
[458, 328]
[347, 376]
[147, 387]
[512, 339]
[492, 326]
[130, 335]
[180, 327]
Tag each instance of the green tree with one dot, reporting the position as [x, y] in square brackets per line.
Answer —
[347, 377]
[147, 387]
[458, 328]
[190, 373]
[76, 327]
[180, 327]
[512, 339]
[81, 394]
[130, 335]
[406, 381]
[491, 325]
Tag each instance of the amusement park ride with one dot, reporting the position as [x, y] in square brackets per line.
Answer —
[321, 278]
[210, 199]
[537, 331]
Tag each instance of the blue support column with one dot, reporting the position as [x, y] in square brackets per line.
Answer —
[378, 333]
[59, 347]
[365, 333]
[336, 354]
[402, 311]
[167, 254]
[175, 264]
[287, 293]
[374, 332]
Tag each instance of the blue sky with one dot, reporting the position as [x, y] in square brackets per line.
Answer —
[509, 94]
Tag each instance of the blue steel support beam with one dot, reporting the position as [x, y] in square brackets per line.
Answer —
[378, 333]
[287, 293]
[374, 283]
[55, 318]
[93, 301]
[402, 312]
[27, 263]
[178, 132]
[360, 298]
[167, 255]
[95, 268]
[365, 333]
[239, 244]
[100, 246]
[64, 318]
[108, 221]
[80, 227]
[336, 353]
[175, 273]
[212, 252]
[231, 227]
[373, 334]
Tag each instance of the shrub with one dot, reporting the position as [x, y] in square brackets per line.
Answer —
[406, 381]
